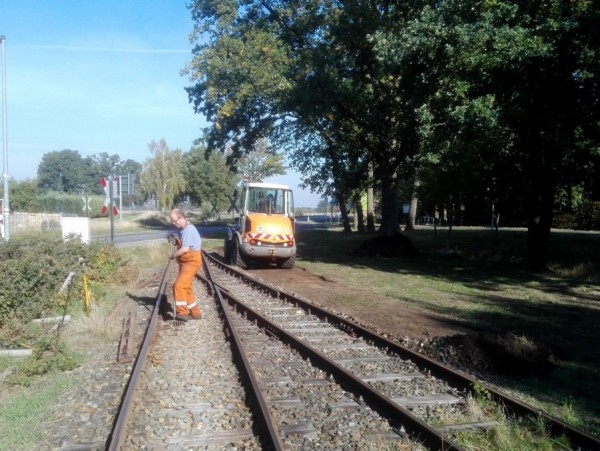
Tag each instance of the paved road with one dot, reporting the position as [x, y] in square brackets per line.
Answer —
[148, 236]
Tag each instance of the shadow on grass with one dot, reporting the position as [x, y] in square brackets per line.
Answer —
[153, 222]
[556, 308]
[472, 258]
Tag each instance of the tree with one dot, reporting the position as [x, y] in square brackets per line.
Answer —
[62, 171]
[208, 177]
[162, 175]
[476, 102]
[24, 195]
[132, 169]
[319, 80]
[66, 171]
[260, 163]
[511, 114]
[106, 165]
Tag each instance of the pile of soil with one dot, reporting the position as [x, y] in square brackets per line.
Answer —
[484, 354]
[394, 246]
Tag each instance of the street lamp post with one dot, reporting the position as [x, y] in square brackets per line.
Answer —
[5, 206]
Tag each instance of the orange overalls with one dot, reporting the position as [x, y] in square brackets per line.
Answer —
[183, 293]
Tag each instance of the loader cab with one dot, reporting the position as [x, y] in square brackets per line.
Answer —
[269, 199]
[266, 227]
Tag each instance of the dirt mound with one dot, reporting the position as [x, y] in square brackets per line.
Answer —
[498, 353]
[386, 246]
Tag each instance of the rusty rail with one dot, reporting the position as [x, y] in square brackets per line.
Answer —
[116, 437]
[397, 415]
[578, 439]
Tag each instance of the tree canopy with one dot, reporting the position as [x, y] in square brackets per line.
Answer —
[67, 171]
[162, 176]
[209, 178]
[63, 171]
[476, 102]
[260, 163]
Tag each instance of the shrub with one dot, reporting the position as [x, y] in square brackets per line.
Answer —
[564, 221]
[588, 216]
[47, 357]
[34, 267]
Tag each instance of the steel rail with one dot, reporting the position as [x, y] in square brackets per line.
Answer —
[272, 438]
[578, 439]
[114, 442]
[397, 415]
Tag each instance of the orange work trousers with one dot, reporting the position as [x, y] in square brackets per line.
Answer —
[183, 293]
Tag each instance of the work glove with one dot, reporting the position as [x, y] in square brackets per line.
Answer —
[171, 238]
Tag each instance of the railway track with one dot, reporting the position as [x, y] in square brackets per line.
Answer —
[267, 370]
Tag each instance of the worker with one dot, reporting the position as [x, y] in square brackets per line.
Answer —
[189, 259]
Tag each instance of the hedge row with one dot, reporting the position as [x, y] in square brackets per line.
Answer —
[587, 217]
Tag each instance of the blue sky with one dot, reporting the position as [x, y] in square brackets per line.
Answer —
[99, 76]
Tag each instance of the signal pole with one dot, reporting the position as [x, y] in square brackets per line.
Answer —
[5, 206]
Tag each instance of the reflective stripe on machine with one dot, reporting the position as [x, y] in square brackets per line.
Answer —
[269, 236]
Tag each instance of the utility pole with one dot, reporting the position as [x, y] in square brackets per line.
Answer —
[5, 206]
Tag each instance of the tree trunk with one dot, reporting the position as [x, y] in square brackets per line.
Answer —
[554, 106]
[343, 212]
[360, 215]
[412, 212]
[539, 222]
[450, 223]
[370, 206]
[390, 224]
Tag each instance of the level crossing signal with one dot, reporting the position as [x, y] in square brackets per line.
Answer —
[108, 200]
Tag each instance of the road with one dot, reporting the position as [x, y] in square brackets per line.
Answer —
[148, 236]
[125, 239]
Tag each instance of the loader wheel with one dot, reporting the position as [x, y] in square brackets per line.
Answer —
[237, 255]
[288, 263]
[228, 251]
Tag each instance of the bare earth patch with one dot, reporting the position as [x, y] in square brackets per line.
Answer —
[379, 313]
[474, 353]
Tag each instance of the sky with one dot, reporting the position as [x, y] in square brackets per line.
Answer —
[99, 76]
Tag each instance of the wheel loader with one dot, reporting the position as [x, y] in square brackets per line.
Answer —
[265, 229]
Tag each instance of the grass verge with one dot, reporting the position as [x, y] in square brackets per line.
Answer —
[23, 410]
[478, 281]
[30, 387]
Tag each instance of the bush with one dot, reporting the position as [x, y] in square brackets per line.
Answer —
[48, 357]
[34, 267]
[588, 216]
[55, 202]
[564, 221]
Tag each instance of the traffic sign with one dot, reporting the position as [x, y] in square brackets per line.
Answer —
[107, 200]
[86, 203]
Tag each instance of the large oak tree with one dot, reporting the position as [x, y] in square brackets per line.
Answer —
[494, 98]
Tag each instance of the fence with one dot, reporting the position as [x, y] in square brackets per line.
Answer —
[34, 221]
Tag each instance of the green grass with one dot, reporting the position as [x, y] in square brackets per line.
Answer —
[22, 410]
[483, 285]
[129, 222]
